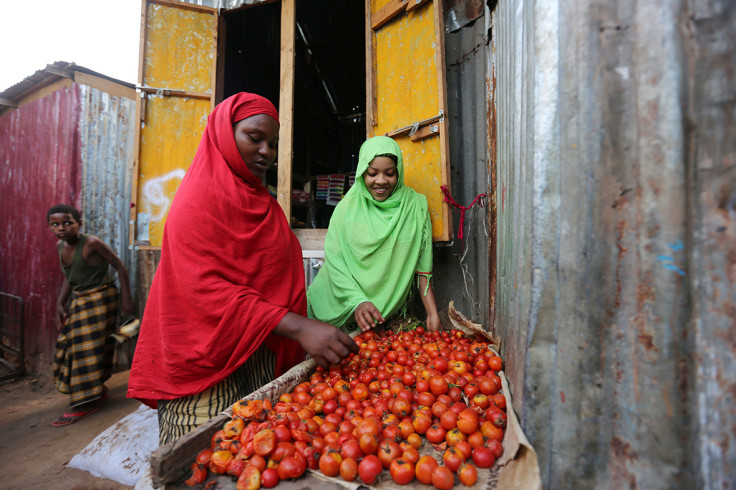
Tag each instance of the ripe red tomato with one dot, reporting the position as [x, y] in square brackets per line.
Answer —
[497, 417]
[269, 478]
[495, 363]
[368, 443]
[388, 451]
[483, 457]
[329, 463]
[289, 467]
[453, 458]
[496, 447]
[349, 469]
[369, 469]
[467, 474]
[401, 471]
[410, 454]
[436, 434]
[467, 421]
[424, 468]
[442, 478]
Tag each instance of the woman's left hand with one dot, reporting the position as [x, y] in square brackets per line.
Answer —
[367, 316]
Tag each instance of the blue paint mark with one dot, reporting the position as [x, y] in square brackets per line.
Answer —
[665, 257]
[675, 268]
[676, 246]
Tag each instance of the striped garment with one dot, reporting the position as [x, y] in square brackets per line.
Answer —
[181, 415]
[84, 349]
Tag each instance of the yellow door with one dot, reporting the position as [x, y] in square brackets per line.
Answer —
[407, 95]
[176, 80]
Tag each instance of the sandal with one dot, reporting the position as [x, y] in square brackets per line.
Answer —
[72, 417]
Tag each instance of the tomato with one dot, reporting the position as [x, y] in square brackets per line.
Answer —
[497, 417]
[401, 408]
[464, 448]
[248, 410]
[283, 450]
[454, 436]
[496, 447]
[388, 451]
[442, 478]
[351, 449]
[369, 469]
[249, 479]
[289, 467]
[438, 385]
[199, 475]
[436, 434]
[467, 421]
[269, 478]
[476, 439]
[329, 463]
[415, 440]
[467, 474]
[453, 458]
[264, 442]
[448, 420]
[483, 457]
[424, 468]
[421, 423]
[406, 428]
[490, 431]
[204, 456]
[495, 363]
[401, 471]
[219, 461]
[500, 401]
[410, 454]
[349, 469]
[368, 443]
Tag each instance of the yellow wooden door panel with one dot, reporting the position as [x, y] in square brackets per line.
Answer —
[409, 87]
[177, 71]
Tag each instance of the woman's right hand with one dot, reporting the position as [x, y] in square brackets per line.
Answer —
[367, 316]
[325, 343]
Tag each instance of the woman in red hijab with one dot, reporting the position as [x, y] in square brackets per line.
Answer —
[227, 309]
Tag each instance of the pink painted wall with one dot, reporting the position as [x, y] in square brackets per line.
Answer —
[40, 165]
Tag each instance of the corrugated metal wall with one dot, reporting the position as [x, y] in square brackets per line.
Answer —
[462, 269]
[616, 215]
[40, 158]
[107, 135]
[73, 146]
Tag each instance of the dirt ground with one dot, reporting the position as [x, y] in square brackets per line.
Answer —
[34, 454]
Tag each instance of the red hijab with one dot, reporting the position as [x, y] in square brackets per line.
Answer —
[230, 269]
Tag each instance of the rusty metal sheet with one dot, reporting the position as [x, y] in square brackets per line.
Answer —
[40, 165]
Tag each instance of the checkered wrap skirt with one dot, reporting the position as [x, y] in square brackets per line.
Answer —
[84, 349]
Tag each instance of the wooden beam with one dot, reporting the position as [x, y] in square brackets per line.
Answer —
[286, 106]
[215, 58]
[439, 24]
[105, 85]
[170, 92]
[370, 74]
[415, 4]
[140, 114]
[425, 132]
[388, 12]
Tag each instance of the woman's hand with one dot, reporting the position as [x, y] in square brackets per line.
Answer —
[433, 322]
[325, 343]
[367, 315]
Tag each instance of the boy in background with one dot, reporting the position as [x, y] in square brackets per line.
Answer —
[84, 348]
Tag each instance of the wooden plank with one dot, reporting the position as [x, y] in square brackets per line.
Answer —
[286, 106]
[215, 59]
[425, 132]
[170, 92]
[140, 112]
[370, 74]
[415, 4]
[105, 85]
[45, 90]
[310, 238]
[387, 12]
[442, 94]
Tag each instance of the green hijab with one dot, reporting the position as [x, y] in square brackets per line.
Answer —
[372, 248]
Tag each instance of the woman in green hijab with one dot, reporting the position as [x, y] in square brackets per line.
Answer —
[379, 238]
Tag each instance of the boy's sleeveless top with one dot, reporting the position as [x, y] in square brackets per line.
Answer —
[81, 275]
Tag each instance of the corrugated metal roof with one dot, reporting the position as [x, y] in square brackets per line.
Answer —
[52, 72]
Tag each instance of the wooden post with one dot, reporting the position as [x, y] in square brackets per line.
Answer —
[286, 106]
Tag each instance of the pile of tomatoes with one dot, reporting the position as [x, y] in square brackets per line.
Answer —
[402, 398]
